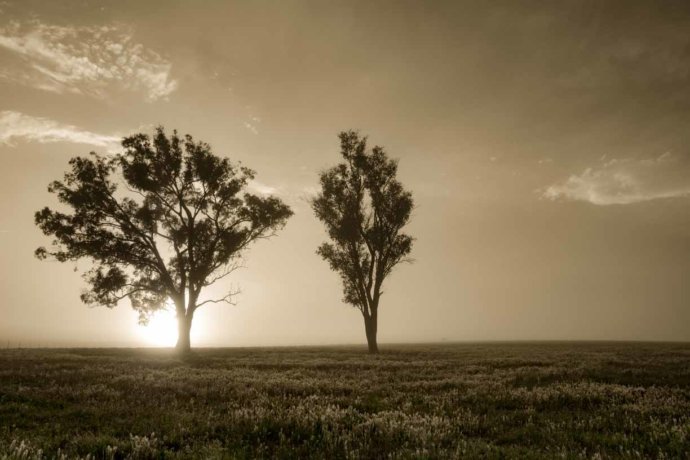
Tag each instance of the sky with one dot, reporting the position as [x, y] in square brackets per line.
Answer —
[546, 145]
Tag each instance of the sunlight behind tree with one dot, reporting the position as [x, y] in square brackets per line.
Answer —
[161, 330]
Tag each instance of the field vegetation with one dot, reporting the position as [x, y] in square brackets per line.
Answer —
[499, 400]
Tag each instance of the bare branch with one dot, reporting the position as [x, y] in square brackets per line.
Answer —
[227, 298]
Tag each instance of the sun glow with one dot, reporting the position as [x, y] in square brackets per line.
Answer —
[161, 330]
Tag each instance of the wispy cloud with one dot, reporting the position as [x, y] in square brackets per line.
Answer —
[263, 189]
[84, 60]
[253, 124]
[15, 126]
[625, 181]
[310, 191]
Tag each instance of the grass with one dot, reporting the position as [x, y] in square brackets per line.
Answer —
[502, 400]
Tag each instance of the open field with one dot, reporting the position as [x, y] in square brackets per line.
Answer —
[531, 400]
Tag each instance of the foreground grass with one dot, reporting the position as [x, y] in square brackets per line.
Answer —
[541, 400]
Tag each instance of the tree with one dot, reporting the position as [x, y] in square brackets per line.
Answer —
[181, 223]
[364, 208]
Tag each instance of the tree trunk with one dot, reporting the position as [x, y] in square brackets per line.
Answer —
[370, 326]
[184, 326]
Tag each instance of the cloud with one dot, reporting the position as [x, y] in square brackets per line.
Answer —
[18, 126]
[263, 189]
[625, 181]
[252, 124]
[310, 191]
[84, 60]
[251, 127]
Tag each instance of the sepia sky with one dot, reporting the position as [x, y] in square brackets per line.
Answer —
[547, 145]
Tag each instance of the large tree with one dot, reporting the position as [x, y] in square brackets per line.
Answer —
[159, 223]
[364, 208]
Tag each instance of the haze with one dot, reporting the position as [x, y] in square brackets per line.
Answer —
[546, 145]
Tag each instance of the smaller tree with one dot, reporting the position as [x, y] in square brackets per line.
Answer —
[364, 208]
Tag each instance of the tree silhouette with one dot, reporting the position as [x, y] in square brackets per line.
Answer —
[364, 208]
[180, 224]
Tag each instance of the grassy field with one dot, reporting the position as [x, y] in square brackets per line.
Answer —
[503, 400]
